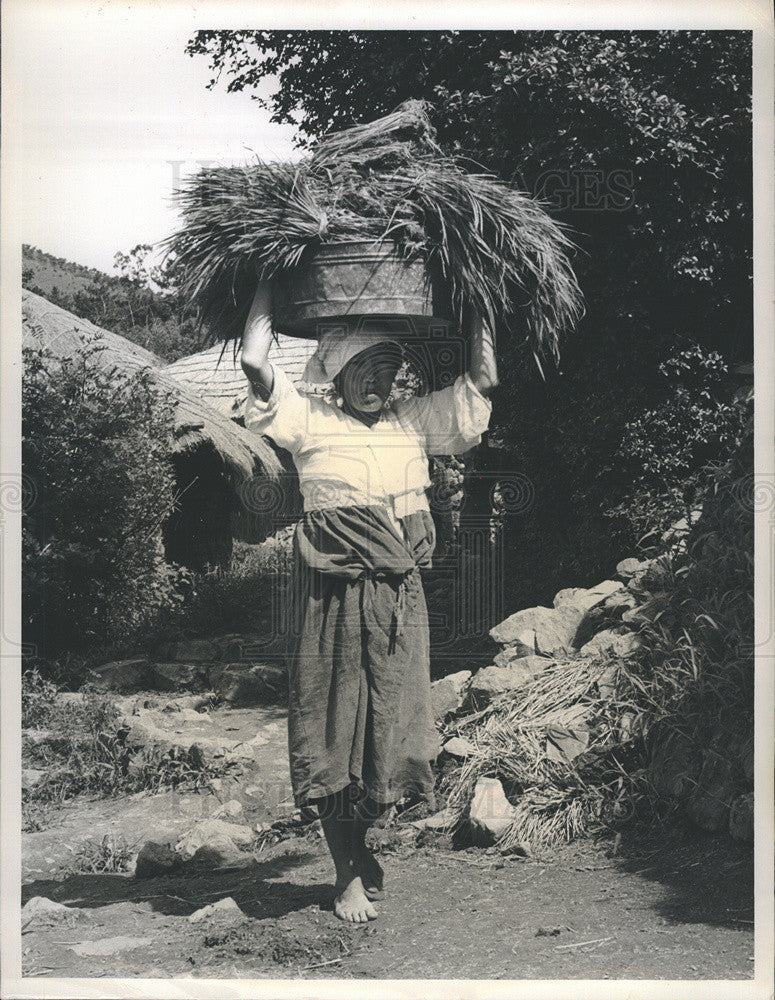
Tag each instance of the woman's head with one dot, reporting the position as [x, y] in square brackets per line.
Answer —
[365, 381]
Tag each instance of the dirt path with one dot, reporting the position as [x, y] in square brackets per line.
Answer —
[652, 911]
[684, 914]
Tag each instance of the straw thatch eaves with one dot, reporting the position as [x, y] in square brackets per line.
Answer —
[217, 462]
[216, 375]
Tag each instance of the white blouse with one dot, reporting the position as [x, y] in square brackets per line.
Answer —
[342, 462]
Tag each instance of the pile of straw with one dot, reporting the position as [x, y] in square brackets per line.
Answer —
[499, 251]
[555, 801]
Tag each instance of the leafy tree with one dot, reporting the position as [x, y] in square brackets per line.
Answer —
[641, 142]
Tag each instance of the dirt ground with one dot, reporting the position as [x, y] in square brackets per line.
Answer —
[673, 911]
[677, 909]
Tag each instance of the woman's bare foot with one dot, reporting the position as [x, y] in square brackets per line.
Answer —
[372, 875]
[352, 904]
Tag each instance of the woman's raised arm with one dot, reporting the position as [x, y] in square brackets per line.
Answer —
[256, 342]
[483, 369]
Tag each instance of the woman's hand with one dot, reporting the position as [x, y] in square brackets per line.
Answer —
[483, 370]
[257, 340]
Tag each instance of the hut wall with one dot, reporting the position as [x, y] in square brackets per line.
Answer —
[198, 533]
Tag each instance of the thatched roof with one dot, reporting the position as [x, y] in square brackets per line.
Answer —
[244, 454]
[218, 378]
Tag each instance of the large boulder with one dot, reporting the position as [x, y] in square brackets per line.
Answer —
[448, 694]
[42, 910]
[627, 568]
[124, 676]
[539, 631]
[583, 600]
[176, 676]
[490, 682]
[610, 643]
[490, 813]
[244, 685]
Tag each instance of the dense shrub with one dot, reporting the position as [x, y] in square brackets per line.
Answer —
[95, 447]
[249, 597]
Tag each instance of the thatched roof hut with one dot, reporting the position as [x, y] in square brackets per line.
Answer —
[218, 464]
[216, 375]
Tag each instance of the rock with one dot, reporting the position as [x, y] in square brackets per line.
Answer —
[490, 682]
[243, 649]
[629, 567]
[564, 745]
[490, 813]
[542, 631]
[506, 656]
[609, 643]
[224, 907]
[31, 777]
[584, 600]
[150, 728]
[177, 676]
[244, 685]
[230, 810]
[155, 860]
[110, 946]
[620, 602]
[458, 747]
[41, 910]
[125, 676]
[191, 701]
[226, 839]
[448, 694]
[741, 817]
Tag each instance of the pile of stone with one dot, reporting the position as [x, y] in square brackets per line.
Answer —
[241, 669]
[714, 786]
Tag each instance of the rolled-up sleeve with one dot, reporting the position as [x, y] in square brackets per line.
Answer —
[284, 417]
[451, 420]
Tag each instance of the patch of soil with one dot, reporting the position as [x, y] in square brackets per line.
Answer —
[654, 911]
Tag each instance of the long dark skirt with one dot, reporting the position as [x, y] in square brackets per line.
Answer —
[359, 673]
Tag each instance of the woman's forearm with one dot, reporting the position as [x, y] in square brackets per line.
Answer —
[483, 369]
[257, 340]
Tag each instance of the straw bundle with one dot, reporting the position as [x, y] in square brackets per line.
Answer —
[555, 800]
[497, 249]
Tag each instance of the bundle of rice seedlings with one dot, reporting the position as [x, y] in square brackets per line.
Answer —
[499, 252]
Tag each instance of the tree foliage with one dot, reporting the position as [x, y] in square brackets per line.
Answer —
[641, 142]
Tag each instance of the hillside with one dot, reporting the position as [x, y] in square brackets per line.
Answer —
[42, 272]
[140, 303]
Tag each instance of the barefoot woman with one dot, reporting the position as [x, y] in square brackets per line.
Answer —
[360, 728]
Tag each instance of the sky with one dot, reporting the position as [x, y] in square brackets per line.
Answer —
[111, 110]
